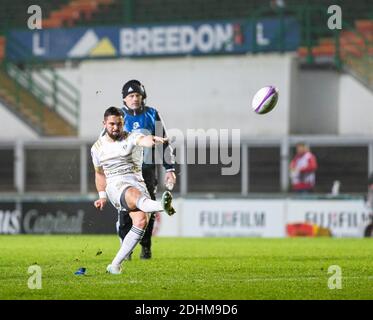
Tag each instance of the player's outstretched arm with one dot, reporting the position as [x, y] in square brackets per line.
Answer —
[149, 141]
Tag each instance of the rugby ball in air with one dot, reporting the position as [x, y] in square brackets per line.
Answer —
[265, 100]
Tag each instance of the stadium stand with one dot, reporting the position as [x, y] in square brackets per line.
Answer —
[354, 48]
[68, 14]
[153, 11]
[35, 98]
[316, 37]
[29, 108]
[357, 51]
[88, 12]
[356, 54]
[32, 96]
[15, 15]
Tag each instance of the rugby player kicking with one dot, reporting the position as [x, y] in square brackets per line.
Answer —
[117, 157]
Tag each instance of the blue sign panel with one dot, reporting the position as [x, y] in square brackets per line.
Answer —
[205, 38]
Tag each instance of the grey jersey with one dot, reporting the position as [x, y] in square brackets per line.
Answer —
[118, 158]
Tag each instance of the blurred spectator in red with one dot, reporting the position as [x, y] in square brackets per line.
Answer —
[303, 169]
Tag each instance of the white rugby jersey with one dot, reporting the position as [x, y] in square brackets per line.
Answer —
[118, 158]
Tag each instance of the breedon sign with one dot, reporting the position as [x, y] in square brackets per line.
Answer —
[215, 37]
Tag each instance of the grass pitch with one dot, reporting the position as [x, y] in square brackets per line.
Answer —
[185, 268]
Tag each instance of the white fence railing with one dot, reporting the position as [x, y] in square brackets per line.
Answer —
[285, 145]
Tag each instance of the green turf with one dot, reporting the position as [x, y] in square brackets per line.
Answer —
[185, 268]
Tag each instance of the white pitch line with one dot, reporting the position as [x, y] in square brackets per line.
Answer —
[131, 281]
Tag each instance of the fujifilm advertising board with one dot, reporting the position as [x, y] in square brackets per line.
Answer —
[232, 218]
[344, 218]
[193, 218]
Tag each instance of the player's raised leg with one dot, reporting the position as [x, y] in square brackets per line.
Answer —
[133, 198]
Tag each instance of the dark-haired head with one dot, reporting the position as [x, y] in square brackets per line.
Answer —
[113, 122]
[112, 111]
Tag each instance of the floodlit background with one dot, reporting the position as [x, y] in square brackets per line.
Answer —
[201, 63]
[63, 62]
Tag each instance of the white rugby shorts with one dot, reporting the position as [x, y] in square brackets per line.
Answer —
[116, 186]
